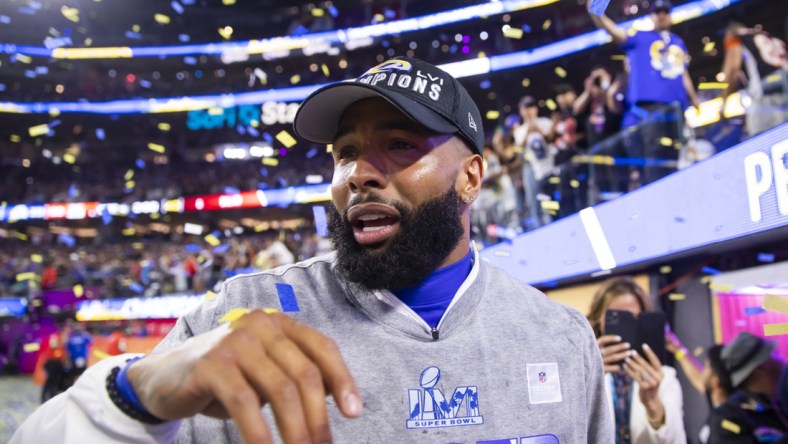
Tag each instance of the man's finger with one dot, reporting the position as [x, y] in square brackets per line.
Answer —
[307, 375]
[326, 355]
[239, 399]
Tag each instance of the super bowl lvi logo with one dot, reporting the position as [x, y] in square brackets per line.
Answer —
[429, 408]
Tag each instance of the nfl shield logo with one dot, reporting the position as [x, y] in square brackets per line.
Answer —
[542, 376]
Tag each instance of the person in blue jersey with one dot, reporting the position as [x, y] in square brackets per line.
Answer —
[659, 89]
[401, 335]
[78, 347]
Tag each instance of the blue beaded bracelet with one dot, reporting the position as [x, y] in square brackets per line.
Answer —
[123, 396]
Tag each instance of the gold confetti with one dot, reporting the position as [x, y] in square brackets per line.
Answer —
[38, 130]
[130, 184]
[20, 236]
[37, 302]
[295, 79]
[31, 347]
[560, 72]
[164, 126]
[226, 32]
[285, 139]
[481, 54]
[666, 141]
[54, 112]
[551, 105]
[25, 276]
[492, 114]
[325, 70]
[270, 161]
[731, 426]
[546, 24]
[70, 13]
[137, 245]
[330, 148]
[317, 12]
[574, 183]
[228, 2]
[161, 19]
[526, 82]
[665, 269]
[554, 180]
[37, 258]
[135, 28]
[550, 205]
[677, 296]
[709, 47]
[209, 295]
[720, 288]
[128, 231]
[259, 228]
[15, 138]
[212, 240]
[775, 329]
[513, 33]
[156, 147]
[234, 314]
[69, 158]
[618, 57]
[129, 175]
[775, 303]
[78, 290]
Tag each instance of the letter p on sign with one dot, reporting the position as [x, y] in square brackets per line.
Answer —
[760, 171]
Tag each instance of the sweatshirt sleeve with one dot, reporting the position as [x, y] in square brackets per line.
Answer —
[85, 413]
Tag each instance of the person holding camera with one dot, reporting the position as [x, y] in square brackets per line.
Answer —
[646, 398]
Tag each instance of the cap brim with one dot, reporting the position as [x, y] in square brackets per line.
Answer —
[762, 356]
[318, 116]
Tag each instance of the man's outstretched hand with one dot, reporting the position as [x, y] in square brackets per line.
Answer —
[233, 371]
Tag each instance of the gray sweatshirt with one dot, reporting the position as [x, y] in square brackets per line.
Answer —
[508, 365]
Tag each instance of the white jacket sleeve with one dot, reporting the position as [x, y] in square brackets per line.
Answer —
[85, 413]
[672, 399]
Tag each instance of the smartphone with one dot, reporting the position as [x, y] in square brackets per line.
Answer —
[651, 331]
[621, 323]
[648, 328]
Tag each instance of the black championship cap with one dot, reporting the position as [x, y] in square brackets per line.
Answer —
[743, 355]
[426, 93]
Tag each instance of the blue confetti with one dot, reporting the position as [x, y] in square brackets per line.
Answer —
[145, 83]
[485, 84]
[187, 2]
[189, 60]
[54, 123]
[231, 190]
[268, 137]
[752, 311]
[42, 70]
[5, 19]
[765, 257]
[100, 135]
[133, 35]
[2, 87]
[30, 74]
[332, 10]
[598, 7]
[177, 7]
[252, 131]
[217, 234]
[311, 153]
[140, 164]
[219, 249]
[136, 288]
[73, 191]
[710, 270]
[184, 38]
[106, 218]
[192, 248]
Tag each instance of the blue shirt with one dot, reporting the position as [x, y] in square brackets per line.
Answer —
[77, 345]
[431, 299]
[657, 61]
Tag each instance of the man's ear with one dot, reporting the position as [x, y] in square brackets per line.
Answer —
[471, 175]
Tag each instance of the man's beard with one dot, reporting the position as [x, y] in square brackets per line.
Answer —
[426, 237]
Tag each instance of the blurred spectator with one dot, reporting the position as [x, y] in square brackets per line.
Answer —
[496, 202]
[531, 137]
[751, 412]
[511, 158]
[659, 90]
[567, 181]
[646, 398]
[765, 68]
[53, 354]
[78, 346]
[116, 342]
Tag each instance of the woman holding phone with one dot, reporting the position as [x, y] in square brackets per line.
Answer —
[646, 399]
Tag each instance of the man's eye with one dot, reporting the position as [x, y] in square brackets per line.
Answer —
[346, 153]
[401, 145]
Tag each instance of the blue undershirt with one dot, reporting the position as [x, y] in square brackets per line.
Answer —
[431, 299]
